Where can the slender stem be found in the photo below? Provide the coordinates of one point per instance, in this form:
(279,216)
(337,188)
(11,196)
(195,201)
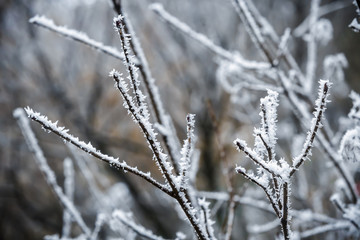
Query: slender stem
(97,154)
(285,212)
(313,132)
(274,179)
(129,64)
(77,36)
(175,193)
(230,217)
(268,194)
(245,15)
(150,87)
(254,158)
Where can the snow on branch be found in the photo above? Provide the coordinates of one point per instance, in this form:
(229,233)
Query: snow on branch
(282,48)
(278,192)
(101,219)
(141,116)
(269,167)
(223,196)
(263,228)
(87,147)
(169,135)
(320,103)
(49,174)
(205,41)
(127,220)
(81,37)
(69,191)
(205,216)
(86,172)
(146,127)
(300,111)
(139,110)
(262,182)
(268,116)
(129,63)
(325,228)
(187,152)
(252,28)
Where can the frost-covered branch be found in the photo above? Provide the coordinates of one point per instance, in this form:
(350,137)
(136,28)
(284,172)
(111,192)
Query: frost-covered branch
(202,39)
(282,48)
(333,227)
(223,196)
(86,172)
(50,177)
(299,107)
(186,152)
(101,219)
(69,191)
(87,147)
(263,228)
(301,113)
(205,217)
(270,33)
(145,125)
(242,147)
(265,142)
(262,183)
(75,35)
(315,125)
(169,135)
(160,157)
(126,219)
(128,62)
(278,74)
(252,28)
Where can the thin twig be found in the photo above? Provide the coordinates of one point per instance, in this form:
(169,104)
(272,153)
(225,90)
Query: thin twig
(87,147)
(161,117)
(267,192)
(34,147)
(322,100)
(202,39)
(76,36)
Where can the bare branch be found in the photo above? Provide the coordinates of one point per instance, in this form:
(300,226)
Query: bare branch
(76,36)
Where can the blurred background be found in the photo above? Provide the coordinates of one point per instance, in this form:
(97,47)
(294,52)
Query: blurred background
(69,82)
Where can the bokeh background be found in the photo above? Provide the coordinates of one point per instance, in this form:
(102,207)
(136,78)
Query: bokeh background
(69,82)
